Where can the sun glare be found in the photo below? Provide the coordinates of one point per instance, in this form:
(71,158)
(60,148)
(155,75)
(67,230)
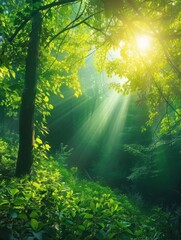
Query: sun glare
(143,42)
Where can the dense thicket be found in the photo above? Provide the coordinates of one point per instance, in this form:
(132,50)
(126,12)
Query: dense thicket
(57,204)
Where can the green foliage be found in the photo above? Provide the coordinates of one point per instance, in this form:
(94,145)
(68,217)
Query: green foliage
(8,153)
(153,74)
(60,59)
(53,204)
(41,149)
(145,166)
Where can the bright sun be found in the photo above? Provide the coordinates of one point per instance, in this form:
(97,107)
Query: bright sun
(143,42)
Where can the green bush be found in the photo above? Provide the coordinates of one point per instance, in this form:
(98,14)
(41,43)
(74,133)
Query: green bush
(8,153)
(53,204)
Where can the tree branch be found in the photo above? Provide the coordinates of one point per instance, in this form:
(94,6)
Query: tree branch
(54,4)
(95,28)
(71,25)
(45,7)
(160,90)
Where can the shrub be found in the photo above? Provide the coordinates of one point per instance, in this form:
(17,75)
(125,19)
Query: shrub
(53,204)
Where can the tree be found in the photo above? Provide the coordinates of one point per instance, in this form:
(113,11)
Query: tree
(35,9)
(28,98)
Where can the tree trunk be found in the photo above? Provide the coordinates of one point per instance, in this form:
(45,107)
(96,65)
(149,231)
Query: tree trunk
(26,118)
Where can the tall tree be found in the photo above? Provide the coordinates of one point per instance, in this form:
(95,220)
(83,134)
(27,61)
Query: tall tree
(65,69)
(26,118)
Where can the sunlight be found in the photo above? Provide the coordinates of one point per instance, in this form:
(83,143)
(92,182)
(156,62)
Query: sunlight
(121,44)
(115,132)
(115,53)
(143,42)
(95,125)
(116,124)
(108,119)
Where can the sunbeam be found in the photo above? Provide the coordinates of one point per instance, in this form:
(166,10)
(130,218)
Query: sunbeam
(114,138)
(103,128)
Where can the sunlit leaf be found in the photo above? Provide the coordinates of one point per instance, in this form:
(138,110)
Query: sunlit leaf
(14,191)
(34,214)
(88,216)
(34,224)
(46,99)
(4,202)
(38,140)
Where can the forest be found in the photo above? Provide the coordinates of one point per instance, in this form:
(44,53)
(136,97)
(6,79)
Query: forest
(90,120)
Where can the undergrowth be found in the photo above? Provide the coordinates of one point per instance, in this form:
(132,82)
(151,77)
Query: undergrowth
(53,203)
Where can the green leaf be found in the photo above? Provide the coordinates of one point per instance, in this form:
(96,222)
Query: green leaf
(92,206)
(34,224)
(13,74)
(50,106)
(124,224)
(14,191)
(19,201)
(39,235)
(101,235)
(112,235)
(37,185)
(23,216)
(4,205)
(34,214)
(46,99)
(47,147)
(69,222)
(127,230)
(4,202)
(88,223)
(138,232)
(38,140)
(81,227)
(88,216)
